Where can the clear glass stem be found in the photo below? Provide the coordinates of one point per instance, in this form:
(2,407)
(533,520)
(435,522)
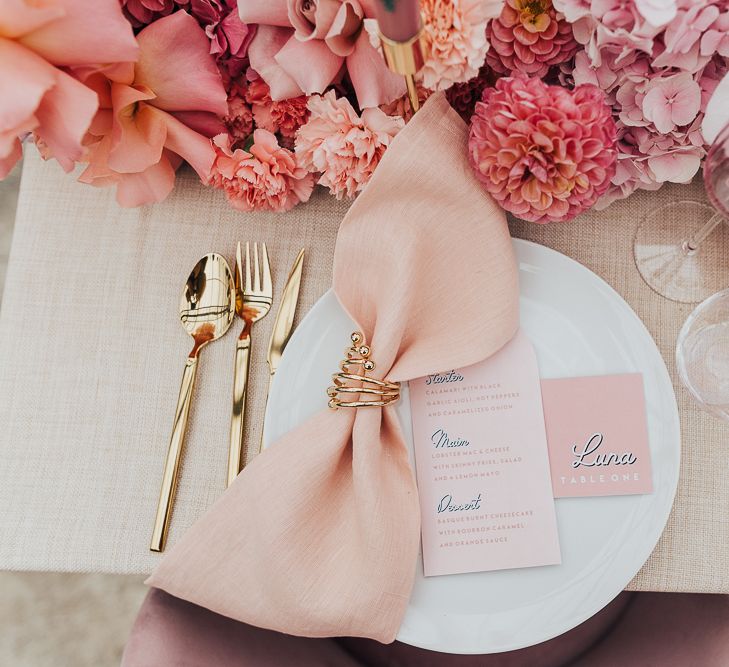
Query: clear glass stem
(691,245)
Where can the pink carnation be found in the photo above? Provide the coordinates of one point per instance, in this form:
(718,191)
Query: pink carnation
(284,116)
(344,147)
(239,120)
(529,36)
(265,177)
(455,39)
(544,152)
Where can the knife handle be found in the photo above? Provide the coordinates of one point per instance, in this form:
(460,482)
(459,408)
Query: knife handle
(237,420)
(174,454)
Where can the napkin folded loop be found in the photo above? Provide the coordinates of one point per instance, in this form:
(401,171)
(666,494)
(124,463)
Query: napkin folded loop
(353,380)
(319,534)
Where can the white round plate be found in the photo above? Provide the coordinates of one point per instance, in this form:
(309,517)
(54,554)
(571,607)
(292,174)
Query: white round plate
(579,326)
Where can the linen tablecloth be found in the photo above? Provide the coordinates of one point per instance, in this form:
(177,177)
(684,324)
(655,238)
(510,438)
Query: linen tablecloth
(92,354)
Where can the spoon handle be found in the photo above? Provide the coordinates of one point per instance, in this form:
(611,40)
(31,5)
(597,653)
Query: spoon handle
(174,454)
(237,421)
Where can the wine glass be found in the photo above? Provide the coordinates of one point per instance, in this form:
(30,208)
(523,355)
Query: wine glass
(702,354)
(682,249)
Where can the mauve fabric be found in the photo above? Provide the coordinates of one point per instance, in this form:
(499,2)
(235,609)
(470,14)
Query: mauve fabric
(635,630)
(319,535)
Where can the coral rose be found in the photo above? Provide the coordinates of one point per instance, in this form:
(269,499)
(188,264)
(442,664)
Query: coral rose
(545,153)
(344,147)
(38,42)
(155,113)
(265,177)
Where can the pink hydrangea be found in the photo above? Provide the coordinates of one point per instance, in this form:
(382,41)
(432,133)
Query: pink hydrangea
(344,147)
(529,36)
(658,62)
(455,39)
(545,153)
(264,177)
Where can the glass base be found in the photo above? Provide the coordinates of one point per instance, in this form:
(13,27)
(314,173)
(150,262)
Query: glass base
(665,263)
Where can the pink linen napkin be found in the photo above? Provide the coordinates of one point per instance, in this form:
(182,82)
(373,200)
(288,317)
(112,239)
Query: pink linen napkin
(319,535)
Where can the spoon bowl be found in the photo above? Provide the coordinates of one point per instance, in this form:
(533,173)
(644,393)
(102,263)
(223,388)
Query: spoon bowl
(207,304)
(207,308)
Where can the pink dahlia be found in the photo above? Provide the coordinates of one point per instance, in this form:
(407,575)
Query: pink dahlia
(343,146)
(284,116)
(545,153)
(529,36)
(265,177)
(454,36)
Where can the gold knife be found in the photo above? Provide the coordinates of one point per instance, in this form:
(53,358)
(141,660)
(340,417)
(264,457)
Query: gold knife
(283,327)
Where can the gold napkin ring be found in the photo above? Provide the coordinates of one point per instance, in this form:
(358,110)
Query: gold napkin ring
(353,379)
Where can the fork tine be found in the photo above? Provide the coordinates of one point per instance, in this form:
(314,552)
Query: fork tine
(256,270)
(238,269)
(248,287)
(267,285)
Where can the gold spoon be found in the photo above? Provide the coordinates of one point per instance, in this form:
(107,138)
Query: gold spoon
(207,308)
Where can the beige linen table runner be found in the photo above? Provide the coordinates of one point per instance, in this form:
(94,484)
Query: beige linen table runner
(92,352)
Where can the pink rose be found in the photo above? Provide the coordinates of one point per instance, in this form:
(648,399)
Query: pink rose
(303,46)
(338,22)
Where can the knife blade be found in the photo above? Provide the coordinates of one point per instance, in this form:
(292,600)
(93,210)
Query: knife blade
(283,326)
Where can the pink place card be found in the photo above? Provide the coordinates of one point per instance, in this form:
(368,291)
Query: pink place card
(482,466)
(597,434)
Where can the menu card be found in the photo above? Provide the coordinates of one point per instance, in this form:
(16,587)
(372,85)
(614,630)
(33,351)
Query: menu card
(482,466)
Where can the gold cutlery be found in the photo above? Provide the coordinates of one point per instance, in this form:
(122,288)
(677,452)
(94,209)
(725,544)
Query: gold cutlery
(253,299)
(283,327)
(207,309)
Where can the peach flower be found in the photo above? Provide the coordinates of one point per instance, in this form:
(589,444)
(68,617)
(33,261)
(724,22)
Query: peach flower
(264,177)
(344,147)
(38,42)
(545,153)
(455,39)
(144,127)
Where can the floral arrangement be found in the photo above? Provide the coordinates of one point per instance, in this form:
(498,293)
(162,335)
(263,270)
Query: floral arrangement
(571,103)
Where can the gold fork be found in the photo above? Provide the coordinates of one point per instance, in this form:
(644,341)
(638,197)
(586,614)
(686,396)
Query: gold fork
(253,299)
